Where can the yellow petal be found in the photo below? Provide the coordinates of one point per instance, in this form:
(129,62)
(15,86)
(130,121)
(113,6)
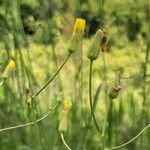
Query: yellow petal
(79,25)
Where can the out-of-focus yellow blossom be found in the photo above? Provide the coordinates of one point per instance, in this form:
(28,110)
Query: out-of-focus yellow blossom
(9,68)
(63,124)
(79,26)
(11,65)
(66,105)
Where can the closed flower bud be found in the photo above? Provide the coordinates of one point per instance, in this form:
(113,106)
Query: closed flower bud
(63,124)
(9,69)
(94,48)
(74,42)
(77,35)
(3,56)
(113,92)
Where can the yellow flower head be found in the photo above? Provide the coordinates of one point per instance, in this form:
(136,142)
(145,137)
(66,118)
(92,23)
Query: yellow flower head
(66,105)
(9,69)
(79,25)
(11,65)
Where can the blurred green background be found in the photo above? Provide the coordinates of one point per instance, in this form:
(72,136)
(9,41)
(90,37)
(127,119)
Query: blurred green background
(35,34)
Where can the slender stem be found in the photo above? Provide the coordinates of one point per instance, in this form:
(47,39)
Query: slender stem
(33,122)
(62,137)
(134,138)
(90,97)
(106,98)
(106,116)
(51,79)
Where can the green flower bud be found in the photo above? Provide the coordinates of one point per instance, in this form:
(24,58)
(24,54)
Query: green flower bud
(63,124)
(74,42)
(94,48)
(77,35)
(3,56)
(114,91)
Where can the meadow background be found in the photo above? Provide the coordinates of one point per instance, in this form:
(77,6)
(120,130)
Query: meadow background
(35,33)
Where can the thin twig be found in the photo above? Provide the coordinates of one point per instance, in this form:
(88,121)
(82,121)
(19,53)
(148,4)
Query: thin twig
(33,122)
(51,79)
(130,141)
(62,137)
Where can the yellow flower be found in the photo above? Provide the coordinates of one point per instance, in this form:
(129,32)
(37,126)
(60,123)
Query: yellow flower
(66,105)
(77,35)
(9,69)
(11,65)
(64,116)
(79,25)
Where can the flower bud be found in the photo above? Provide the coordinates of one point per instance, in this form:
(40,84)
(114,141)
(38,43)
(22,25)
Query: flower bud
(9,69)
(77,35)
(114,91)
(63,124)
(3,56)
(94,48)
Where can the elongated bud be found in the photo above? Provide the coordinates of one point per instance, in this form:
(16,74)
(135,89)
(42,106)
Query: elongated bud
(3,56)
(77,35)
(9,69)
(114,90)
(94,49)
(63,124)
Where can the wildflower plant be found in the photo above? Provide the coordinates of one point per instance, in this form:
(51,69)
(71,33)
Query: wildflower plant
(97,45)
(77,35)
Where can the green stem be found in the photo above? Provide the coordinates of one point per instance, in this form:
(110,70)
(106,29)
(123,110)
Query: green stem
(106,116)
(130,141)
(107,100)
(51,79)
(90,97)
(33,122)
(63,139)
